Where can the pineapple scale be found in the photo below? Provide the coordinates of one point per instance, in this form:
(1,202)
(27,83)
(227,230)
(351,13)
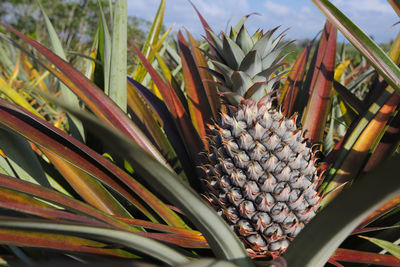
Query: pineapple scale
(261,176)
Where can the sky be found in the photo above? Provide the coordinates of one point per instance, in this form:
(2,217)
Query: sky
(302,17)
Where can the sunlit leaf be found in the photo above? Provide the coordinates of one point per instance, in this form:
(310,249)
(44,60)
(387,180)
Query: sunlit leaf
(83,157)
(66,94)
(386,245)
(117,87)
(383,64)
(96,100)
(315,115)
(200,111)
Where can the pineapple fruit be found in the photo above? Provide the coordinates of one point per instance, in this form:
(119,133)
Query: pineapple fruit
(261,174)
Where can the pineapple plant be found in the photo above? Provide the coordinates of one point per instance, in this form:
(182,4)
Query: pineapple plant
(261,174)
(125,198)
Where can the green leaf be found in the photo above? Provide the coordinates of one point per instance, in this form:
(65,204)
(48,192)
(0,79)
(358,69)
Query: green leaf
(386,245)
(216,42)
(21,157)
(61,200)
(117,80)
(66,94)
(209,263)
(175,106)
(220,237)
(241,82)
(225,71)
(264,44)
(152,37)
(105,47)
(128,239)
(83,157)
(60,242)
(89,188)
(320,238)
(232,53)
(378,58)
(244,40)
(95,98)
(251,64)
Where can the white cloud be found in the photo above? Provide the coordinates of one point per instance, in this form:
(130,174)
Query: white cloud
(378,6)
(302,17)
(302,21)
(278,9)
(218,13)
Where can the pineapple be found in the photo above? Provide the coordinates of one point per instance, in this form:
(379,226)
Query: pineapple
(261,175)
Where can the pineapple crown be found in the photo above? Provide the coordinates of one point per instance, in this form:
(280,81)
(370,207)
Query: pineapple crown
(246,64)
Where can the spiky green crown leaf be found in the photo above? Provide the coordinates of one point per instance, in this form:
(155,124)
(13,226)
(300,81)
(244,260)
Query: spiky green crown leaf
(247,65)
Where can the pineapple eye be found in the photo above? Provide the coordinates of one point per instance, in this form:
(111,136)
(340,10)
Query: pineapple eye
(279,188)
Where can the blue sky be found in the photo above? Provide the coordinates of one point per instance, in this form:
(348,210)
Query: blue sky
(375,17)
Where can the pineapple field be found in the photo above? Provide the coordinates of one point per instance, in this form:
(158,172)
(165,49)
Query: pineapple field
(153,148)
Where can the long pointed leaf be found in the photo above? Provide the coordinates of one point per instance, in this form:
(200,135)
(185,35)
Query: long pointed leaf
(57,241)
(22,158)
(396,6)
(386,245)
(96,100)
(314,118)
(383,64)
(105,47)
(348,255)
(14,200)
(210,89)
(130,240)
(206,27)
(82,157)
(221,239)
(356,157)
(194,143)
(66,94)
(117,86)
(152,37)
(90,189)
(200,111)
(139,107)
(294,81)
(387,146)
(60,200)
(170,128)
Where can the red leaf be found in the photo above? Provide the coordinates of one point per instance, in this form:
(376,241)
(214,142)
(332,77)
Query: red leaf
(176,108)
(314,118)
(57,241)
(382,210)
(198,106)
(53,139)
(94,98)
(348,255)
(294,81)
(59,199)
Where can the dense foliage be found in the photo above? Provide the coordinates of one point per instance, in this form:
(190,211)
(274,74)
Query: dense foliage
(103,144)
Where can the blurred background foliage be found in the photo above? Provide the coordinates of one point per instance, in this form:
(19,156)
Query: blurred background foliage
(76,35)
